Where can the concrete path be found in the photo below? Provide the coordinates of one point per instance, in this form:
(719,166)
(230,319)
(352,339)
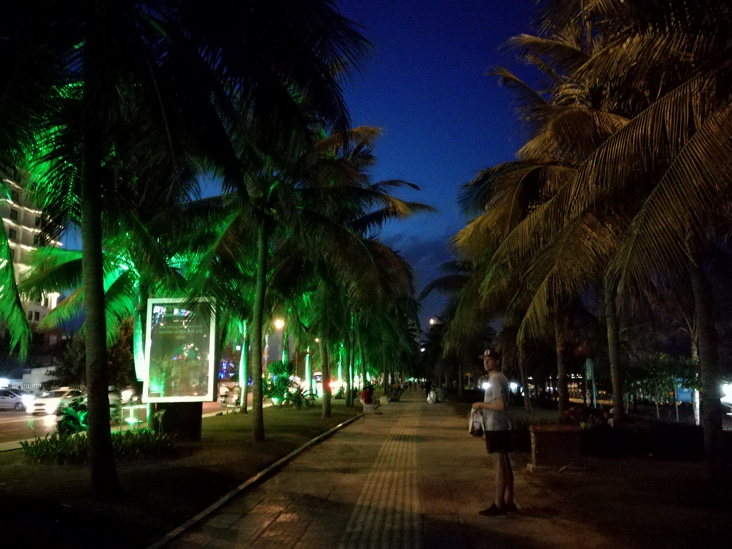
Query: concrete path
(407,476)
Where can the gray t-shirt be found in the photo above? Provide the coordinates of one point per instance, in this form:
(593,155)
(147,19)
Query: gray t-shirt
(496,420)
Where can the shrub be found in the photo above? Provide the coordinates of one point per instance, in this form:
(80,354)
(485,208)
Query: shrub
(277,384)
(73,419)
(297,396)
(74,448)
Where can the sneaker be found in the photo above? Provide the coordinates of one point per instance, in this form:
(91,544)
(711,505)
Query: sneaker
(493,512)
(510,508)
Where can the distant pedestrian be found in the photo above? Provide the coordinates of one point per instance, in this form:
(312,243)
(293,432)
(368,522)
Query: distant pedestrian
(427,387)
(497,434)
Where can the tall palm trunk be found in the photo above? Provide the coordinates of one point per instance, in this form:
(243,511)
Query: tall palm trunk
(710,374)
(524,377)
(460,379)
(325,358)
(613,345)
(243,369)
(257,318)
(103,470)
(362,356)
(138,343)
(138,330)
(220,339)
(695,403)
(561,363)
(349,361)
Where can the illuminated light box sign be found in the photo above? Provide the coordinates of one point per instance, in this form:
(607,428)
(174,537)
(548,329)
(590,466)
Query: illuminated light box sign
(179,351)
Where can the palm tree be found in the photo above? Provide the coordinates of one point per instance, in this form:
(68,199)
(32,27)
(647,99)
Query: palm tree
(11,307)
(649,175)
(309,210)
(657,163)
(149,74)
(559,258)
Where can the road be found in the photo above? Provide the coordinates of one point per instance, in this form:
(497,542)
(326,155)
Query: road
(15,426)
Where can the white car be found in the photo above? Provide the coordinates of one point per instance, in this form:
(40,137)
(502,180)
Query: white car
(54,401)
(15,399)
(727,397)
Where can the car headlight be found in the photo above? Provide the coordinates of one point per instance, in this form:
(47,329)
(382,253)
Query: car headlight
(27,400)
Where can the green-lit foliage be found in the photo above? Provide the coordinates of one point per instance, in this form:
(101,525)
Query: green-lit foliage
(73,419)
(656,376)
(74,448)
(297,397)
(11,309)
(278,384)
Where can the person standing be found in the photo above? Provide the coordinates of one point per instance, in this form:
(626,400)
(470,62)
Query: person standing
(497,434)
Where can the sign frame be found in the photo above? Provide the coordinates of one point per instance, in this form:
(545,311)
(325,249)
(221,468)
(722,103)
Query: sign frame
(184,388)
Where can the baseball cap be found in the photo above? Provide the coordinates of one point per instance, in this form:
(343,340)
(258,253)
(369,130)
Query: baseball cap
(491,353)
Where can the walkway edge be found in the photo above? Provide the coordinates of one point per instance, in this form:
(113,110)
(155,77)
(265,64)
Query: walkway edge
(170,536)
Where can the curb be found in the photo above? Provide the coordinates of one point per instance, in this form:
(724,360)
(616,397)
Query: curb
(262,475)
(13,445)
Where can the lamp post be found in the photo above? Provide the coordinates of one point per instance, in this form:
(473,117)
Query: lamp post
(279,324)
(243,375)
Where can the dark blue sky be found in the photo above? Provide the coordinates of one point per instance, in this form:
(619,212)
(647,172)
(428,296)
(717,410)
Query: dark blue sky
(443,118)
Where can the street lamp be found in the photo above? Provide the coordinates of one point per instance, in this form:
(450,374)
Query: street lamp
(279,324)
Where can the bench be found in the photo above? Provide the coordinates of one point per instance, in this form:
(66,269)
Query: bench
(369,407)
(555,447)
(231,400)
(395,395)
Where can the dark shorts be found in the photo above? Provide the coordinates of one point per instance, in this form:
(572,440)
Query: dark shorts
(498,442)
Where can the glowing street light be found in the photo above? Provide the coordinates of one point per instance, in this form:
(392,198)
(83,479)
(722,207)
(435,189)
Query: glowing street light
(279,324)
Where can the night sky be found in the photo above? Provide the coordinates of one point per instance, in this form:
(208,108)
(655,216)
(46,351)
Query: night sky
(443,118)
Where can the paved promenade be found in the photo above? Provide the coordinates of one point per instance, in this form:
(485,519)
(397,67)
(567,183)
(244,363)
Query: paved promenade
(407,476)
(411,476)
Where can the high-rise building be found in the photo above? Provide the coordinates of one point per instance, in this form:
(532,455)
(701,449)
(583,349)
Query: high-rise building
(22,220)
